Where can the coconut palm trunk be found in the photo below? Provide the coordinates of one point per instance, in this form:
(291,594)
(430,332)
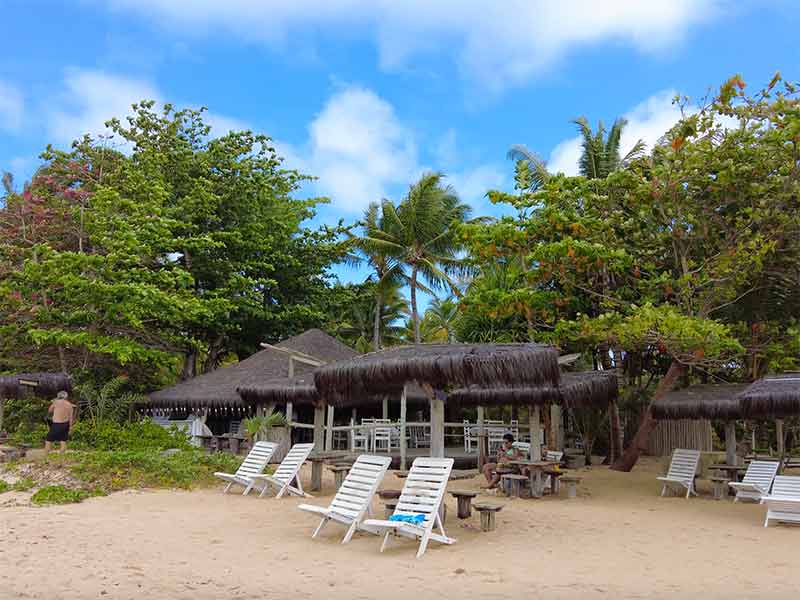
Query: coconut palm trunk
(414,313)
(376,324)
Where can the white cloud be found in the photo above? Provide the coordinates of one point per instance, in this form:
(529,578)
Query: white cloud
(90,99)
(12,107)
(359,148)
(647,121)
(473,184)
(496,44)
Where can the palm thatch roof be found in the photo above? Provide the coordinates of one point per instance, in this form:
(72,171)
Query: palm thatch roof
(218,388)
(705,401)
(773,397)
(440,366)
(591,388)
(41,384)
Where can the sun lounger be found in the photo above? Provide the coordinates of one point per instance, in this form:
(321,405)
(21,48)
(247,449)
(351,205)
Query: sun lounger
(421,499)
(354,499)
(682,471)
(254,464)
(757,480)
(783,504)
(285,474)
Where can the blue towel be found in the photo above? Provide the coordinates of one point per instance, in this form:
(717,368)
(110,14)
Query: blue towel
(413,519)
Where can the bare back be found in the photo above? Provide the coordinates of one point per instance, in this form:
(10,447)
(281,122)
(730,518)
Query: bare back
(62,411)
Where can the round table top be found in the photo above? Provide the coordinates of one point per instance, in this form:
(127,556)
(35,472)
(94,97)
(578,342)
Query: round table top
(466,493)
(479,506)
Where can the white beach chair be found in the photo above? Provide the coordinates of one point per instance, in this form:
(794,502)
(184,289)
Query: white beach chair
(353,501)
(423,493)
(254,464)
(285,474)
(382,436)
(554,456)
(524,447)
(783,504)
(681,472)
(757,480)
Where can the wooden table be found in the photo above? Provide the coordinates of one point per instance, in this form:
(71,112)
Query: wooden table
(464,499)
(731,472)
(536,468)
(318,459)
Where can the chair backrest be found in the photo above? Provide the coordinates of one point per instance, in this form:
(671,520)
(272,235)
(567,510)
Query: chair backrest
(684,464)
(424,488)
(761,473)
(554,455)
(360,485)
(292,462)
(786,486)
(256,459)
(523,447)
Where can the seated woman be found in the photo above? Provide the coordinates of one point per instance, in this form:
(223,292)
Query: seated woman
(506,453)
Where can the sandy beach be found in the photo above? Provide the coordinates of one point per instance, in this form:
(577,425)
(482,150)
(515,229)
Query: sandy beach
(618,539)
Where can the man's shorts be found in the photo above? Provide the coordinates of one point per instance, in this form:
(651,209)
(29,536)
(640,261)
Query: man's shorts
(59,432)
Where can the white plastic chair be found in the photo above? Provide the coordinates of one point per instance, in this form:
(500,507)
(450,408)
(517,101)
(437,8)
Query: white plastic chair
(757,480)
(382,436)
(783,504)
(285,474)
(253,465)
(423,493)
(682,471)
(353,500)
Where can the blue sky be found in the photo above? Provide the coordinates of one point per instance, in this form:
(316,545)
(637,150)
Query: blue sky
(367,95)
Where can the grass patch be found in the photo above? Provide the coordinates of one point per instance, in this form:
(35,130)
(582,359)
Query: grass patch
(23,485)
(120,469)
(58,494)
(4,486)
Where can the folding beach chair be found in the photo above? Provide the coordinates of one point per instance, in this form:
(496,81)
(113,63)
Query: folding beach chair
(681,472)
(285,474)
(254,464)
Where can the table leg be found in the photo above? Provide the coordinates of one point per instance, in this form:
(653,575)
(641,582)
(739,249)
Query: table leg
(316,476)
(536,483)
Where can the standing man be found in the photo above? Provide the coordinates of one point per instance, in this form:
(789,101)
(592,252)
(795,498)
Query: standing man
(63,414)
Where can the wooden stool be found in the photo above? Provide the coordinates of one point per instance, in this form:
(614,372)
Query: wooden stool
(488,511)
(512,483)
(554,476)
(572,485)
(464,499)
(720,487)
(339,473)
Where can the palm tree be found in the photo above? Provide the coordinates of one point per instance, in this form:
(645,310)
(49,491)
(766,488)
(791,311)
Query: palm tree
(440,318)
(388,271)
(420,235)
(601,154)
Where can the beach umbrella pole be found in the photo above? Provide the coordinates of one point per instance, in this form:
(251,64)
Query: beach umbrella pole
(730,442)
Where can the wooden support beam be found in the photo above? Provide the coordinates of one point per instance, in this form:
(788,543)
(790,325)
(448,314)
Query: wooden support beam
(437,426)
(536,433)
(385,408)
(482,445)
(779,435)
(329,430)
(403,440)
(730,442)
(319,428)
(556,423)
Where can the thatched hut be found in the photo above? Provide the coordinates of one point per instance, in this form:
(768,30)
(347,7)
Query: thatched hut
(217,393)
(773,397)
(41,384)
(686,416)
(437,367)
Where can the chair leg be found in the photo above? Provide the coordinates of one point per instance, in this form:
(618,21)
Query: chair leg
(663,490)
(423,543)
(248,489)
(322,524)
(227,487)
(385,543)
(350,532)
(282,491)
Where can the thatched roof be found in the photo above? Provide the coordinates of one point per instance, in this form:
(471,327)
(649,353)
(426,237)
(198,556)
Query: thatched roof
(773,397)
(218,388)
(591,388)
(41,384)
(706,401)
(441,366)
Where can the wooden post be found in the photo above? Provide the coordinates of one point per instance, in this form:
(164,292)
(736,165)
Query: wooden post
(536,439)
(730,442)
(385,408)
(403,441)
(329,430)
(548,431)
(779,435)
(2,410)
(319,428)
(437,426)
(289,412)
(557,429)
(481,437)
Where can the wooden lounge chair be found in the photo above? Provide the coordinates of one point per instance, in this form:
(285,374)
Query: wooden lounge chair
(422,494)
(783,504)
(682,471)
(285,474)
(354,499)
(757,480)
(254,464)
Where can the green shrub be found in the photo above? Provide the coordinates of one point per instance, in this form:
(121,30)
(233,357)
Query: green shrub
(58,494)
(139,435)
(4,486)
(29,435)
(23,485)
(122,469)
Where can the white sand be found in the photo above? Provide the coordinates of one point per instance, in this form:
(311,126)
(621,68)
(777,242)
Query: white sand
(619,539)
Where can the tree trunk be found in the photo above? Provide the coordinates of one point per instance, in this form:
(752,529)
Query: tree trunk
(376,325)
(214,352)
(628,459)
(616,431)
(189,364)
(414,313)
